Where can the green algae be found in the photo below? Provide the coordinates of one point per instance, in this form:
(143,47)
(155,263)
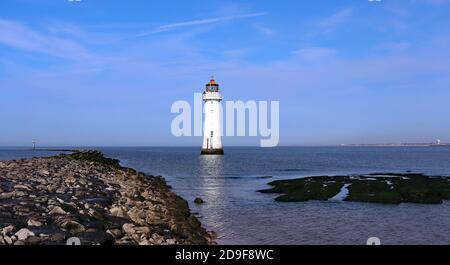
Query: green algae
(388,188)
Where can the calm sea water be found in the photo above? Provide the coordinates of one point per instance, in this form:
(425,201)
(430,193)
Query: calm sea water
(241,215)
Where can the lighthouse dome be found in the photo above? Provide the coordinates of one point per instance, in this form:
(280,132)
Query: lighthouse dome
(212,86)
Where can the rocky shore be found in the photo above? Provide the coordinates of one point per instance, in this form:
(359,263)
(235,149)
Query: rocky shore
(85,195)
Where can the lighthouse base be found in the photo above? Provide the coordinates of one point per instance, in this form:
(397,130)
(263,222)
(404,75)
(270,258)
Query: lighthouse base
(212,151)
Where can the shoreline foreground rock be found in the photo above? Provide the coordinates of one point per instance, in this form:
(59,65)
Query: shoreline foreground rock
(48,200)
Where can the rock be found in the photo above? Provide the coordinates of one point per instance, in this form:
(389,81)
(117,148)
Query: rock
(69,207)
(19,243)
(8,240)
(70,180)
(198,200)
(6,195)
(23,234)
(137,215)
(129,229)
(6,231)
(57,210)
(211,236)
(22,187)
(32,222)
(73,227)
(153,219)
(58,237)
(145,242)
(116,233)
(146,194)
(19,194)
(119,212)
(44,172)
(35,240)
(51,188)
(60,190)
(157,239)
(142,230)
(171,241)
(95,214)
(96,237)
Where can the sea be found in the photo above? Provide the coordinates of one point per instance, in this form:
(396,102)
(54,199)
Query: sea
(240,215)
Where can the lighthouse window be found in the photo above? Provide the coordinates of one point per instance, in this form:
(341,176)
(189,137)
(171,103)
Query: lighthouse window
(212,133)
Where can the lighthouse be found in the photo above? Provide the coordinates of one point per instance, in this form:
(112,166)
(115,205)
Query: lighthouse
(212,137)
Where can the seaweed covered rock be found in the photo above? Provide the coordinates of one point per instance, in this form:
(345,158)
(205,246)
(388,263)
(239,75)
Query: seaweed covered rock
(198,200)
(92,156)
(389,188)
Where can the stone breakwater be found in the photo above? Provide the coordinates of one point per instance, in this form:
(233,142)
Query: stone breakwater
(85,195)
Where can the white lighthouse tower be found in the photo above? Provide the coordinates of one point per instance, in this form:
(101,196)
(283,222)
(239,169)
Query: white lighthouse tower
(212,137)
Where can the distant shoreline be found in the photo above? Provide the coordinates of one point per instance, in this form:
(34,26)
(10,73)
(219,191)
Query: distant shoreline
(397,145)
(53,150)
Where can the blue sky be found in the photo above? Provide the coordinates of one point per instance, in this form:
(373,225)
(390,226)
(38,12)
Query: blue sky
(102,72)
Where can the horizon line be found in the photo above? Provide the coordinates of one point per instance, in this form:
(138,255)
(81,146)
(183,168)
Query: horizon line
(412,144)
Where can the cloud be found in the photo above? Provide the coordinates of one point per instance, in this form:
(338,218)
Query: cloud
(198,22)
(315,53)
(394,46)
(236,53)
(433,2)
(263,30)
(338,18)
(19,36)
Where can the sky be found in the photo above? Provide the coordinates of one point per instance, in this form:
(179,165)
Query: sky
(105,73)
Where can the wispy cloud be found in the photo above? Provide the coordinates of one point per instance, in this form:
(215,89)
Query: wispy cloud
(19,36)
(433,2)
(198,22)
(331,22)
(394,46)
(263,29)
(315,53)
